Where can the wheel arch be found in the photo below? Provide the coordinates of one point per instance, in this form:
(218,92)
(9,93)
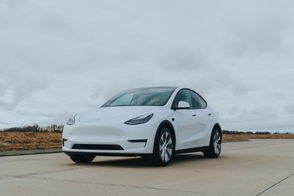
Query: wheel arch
(217,126)
(168,125)
(211,153)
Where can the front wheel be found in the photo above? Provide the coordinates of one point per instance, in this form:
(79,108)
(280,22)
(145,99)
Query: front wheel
(81,158)
(163,148)
(215,145)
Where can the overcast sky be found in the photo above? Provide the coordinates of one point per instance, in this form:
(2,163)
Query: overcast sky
(59,58)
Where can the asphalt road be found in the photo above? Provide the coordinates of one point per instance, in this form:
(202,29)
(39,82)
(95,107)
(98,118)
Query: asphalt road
(258,167)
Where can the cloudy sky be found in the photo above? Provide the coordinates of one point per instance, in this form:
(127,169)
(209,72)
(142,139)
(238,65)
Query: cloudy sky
(59,58)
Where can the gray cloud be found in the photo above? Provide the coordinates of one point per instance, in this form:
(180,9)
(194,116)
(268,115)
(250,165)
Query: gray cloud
(58,58)
(25,113)
(58,118)
(239,88)
(262,28)
(19,86)
(289,108)
(6,106)
(3,122)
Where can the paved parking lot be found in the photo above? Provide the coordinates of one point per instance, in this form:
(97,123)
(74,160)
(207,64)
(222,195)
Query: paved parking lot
(258,167)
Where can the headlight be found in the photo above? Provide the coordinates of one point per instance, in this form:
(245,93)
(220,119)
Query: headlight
(72,120)
(139,120)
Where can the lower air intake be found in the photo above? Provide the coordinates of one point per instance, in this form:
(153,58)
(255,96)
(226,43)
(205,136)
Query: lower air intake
(97,147)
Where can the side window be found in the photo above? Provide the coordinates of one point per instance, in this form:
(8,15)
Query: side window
(198,102)
(183,95)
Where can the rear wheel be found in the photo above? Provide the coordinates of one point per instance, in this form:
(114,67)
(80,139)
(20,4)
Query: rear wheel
(82,158)
(215,145)
(163,148)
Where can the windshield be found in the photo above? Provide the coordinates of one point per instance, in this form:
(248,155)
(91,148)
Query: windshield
(157,96)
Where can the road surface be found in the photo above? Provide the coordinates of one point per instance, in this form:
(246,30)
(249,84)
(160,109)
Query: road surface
(258,167)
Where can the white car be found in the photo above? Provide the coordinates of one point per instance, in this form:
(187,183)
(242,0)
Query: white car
(155,123)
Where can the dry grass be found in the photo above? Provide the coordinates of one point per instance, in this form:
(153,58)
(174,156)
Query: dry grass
(29,141)
(244,137)
(32,141)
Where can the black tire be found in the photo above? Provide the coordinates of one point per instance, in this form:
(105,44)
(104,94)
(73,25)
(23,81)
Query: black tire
(163,148)
(82,158)
(214,145)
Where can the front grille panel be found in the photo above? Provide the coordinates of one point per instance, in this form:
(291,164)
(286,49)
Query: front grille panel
(97,147)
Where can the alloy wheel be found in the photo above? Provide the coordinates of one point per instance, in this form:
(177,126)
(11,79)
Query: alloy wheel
(217,143)
(165,146)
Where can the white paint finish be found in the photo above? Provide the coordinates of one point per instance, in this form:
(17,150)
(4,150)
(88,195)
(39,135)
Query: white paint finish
(192,127)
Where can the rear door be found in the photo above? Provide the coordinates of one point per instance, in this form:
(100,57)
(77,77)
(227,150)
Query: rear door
(203,115)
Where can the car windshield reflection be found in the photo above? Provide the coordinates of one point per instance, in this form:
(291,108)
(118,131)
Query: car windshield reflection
(141,97)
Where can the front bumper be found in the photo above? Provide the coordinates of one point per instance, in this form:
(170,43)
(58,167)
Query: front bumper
(134,140)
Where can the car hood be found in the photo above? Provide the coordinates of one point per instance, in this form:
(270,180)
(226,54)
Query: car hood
(116,114)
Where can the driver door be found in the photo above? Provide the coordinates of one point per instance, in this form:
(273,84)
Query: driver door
(190,123)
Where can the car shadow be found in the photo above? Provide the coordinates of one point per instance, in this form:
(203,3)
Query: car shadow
(138,162)
(134,162)
(191,157)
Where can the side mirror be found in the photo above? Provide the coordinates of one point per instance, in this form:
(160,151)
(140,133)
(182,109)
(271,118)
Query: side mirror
(182,105)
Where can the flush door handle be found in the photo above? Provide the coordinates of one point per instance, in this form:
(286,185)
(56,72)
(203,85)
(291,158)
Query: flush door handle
(194,115)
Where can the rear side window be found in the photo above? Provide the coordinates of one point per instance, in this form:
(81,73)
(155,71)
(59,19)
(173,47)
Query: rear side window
(197,101)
